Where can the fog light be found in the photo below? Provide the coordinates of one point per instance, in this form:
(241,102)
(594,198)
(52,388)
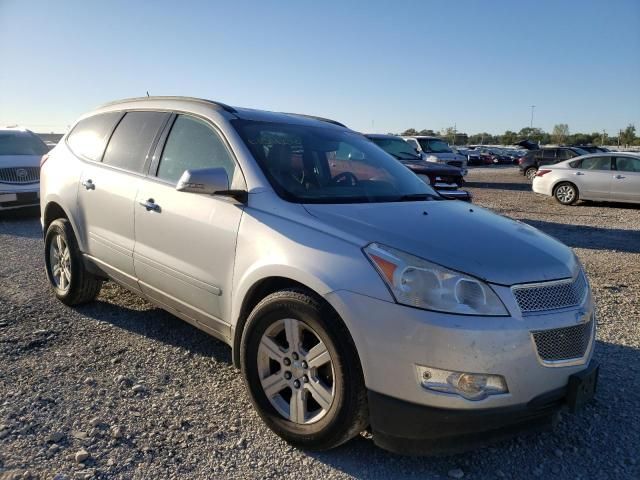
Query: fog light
(472,386)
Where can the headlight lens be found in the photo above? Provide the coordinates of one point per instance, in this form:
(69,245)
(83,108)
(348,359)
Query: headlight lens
(432,158)
(419,283)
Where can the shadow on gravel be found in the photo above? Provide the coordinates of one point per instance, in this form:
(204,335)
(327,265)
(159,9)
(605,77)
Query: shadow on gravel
(594,238)
(21,223)
(159,325)
(521,187)
(590,440)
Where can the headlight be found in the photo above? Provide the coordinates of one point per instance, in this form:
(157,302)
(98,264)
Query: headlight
(418,283)
(432,158)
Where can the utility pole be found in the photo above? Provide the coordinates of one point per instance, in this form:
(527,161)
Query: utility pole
(603,135)
(455,132)
(532,108)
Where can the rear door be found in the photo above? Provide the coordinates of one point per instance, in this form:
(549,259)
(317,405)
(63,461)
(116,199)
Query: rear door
(593,177)
(625,184)
(185,246)
(548,157)
(107,191)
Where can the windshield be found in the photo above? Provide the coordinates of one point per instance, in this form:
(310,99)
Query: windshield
(396,147)
(21,143)
(434,145)
(328,165)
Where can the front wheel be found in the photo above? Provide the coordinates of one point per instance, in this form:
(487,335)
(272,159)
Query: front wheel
(302,371)
(70,281)
(566,193)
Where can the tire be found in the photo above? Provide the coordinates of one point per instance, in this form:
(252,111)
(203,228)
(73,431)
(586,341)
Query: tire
(566,193)
(341,418)
(70,281)
(530,173)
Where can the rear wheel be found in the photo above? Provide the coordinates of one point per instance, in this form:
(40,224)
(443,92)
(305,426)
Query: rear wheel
(70,281)
(566,193)
(530,173)
(302,371)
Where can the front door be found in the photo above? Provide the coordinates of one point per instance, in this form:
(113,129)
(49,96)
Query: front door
(107,192)
(185,242)
(593,178)
(625,184)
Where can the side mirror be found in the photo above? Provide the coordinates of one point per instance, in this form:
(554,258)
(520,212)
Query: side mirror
(209,181)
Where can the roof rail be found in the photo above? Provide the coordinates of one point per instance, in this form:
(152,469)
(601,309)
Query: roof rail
(314,117)
(223,106)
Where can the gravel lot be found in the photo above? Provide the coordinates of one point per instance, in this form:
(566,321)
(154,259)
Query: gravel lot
(121,389)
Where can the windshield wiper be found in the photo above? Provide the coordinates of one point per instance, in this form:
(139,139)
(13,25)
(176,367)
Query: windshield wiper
(415,197)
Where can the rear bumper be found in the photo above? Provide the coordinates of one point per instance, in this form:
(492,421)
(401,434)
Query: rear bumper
(411,429)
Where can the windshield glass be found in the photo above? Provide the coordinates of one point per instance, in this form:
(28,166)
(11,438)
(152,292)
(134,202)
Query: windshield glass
(396,147)
(434,145)
(328,165)
(21,143)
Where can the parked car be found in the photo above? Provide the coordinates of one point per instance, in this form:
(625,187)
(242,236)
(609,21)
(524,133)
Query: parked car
(613,177)
(434,149)
(445,179)
(591,148)
(351,294)
(473,157)
(20,154)
(535,159)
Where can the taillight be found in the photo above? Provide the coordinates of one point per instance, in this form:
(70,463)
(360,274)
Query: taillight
(44,158)
(520,160)
(542,173)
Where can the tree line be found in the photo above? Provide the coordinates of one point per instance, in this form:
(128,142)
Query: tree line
(559,135)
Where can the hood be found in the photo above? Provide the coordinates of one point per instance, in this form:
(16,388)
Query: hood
(465,238)
(7,161)
(420,166)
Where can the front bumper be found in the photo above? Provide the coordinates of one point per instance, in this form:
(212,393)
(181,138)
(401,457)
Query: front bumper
(454,194)
(14,196)
(392,339)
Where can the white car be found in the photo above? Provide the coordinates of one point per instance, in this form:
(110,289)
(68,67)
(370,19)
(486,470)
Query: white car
(20,154)
(611,177)
(434,149)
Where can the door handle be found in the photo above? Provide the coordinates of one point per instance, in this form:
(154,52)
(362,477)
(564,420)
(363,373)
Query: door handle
(89,185)
(579,173)
(150,205)
(619,176)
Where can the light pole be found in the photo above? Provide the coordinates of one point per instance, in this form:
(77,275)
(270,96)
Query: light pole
(531,125)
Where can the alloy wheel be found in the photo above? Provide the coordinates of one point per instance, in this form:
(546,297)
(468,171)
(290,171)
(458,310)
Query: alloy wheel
(565,193)
(60,262)
(296,371)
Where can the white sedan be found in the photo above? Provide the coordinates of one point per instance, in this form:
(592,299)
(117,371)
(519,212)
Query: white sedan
(613,177)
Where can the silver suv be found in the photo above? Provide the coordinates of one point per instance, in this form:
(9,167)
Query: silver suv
(351,294)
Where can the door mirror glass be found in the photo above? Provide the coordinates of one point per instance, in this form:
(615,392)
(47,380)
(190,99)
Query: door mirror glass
(204,180)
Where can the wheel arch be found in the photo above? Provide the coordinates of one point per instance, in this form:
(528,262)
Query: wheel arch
(259,290)
(54,210)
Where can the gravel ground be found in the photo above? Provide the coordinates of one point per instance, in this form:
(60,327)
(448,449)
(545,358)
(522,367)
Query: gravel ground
(121,389)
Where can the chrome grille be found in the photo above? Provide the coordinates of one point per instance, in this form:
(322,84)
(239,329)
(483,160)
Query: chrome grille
(565,343)
(20,175)
(551,295)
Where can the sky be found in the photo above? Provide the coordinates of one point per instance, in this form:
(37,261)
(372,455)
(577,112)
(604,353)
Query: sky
(378,66)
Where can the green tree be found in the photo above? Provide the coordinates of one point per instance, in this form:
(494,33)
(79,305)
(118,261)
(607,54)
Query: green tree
(560,133)
(509,138)
(428,133)
(628,135)
(410,132)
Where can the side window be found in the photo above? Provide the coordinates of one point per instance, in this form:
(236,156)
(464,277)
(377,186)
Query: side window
(549,154)
(628,164)
(89,137)
(596,163)
(565,154)
(193,144)
(132,139)
(413,143)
